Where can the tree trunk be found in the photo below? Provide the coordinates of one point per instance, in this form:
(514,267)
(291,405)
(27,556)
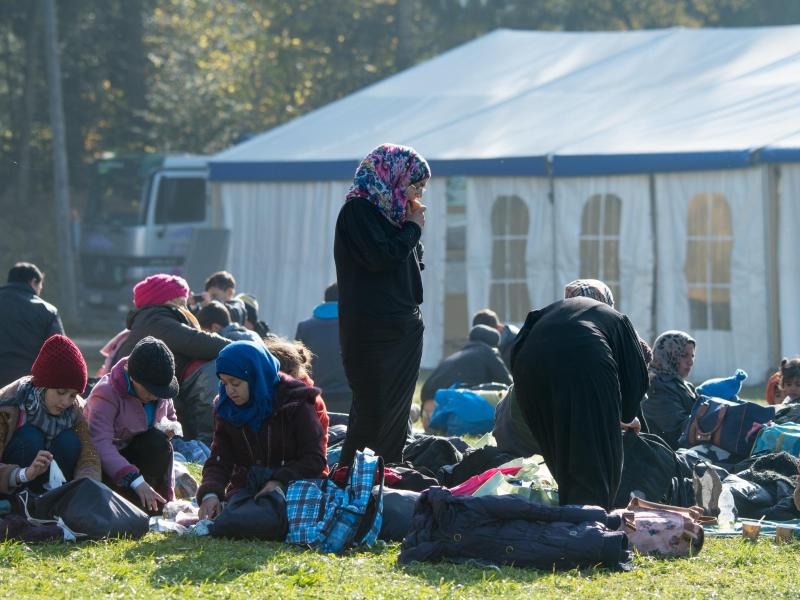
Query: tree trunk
(66,276)
(28,108)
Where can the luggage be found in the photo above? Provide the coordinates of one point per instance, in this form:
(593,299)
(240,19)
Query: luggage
(432,452)
(726,424)
(90,508)
(648,468)
(473,463)
(461,412)
(247,517)
(778,438)
(332,519)
(398,508)
(663,530)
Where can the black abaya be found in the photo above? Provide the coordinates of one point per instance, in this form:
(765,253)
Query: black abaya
(578,371)
(380,327)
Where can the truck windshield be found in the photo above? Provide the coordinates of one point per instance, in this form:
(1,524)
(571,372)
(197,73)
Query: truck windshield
(116,192)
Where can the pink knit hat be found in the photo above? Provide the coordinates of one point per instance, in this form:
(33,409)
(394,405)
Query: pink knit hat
(159,289)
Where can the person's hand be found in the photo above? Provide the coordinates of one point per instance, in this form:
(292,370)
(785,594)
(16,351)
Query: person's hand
(209,508)
(417,216)
(39,465)
(635,425)
(148,496)
(271,485)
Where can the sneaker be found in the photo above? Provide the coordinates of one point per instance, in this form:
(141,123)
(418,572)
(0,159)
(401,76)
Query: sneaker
(707,488)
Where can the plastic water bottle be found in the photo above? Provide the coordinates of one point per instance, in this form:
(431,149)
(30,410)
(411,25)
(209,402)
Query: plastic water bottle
(727,509)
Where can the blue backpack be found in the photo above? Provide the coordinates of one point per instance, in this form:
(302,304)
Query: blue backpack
(330,518)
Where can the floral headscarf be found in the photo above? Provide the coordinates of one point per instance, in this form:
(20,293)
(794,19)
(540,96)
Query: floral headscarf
(383,176)
(667,351)
(590,288)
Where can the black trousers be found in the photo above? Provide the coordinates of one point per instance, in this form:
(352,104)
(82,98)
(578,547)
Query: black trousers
(381,360)
(151,453)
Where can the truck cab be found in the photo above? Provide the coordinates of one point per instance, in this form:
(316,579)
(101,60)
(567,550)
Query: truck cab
(140,215)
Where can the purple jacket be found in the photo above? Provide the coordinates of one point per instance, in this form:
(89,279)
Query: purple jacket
(115,416)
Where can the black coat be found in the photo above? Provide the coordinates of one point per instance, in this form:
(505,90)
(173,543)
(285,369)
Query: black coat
(667,407)
(170,325)
(512,530)
(477,362)
(578,371)
(26,322)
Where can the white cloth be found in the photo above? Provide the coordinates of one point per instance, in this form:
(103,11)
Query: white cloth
(718,353)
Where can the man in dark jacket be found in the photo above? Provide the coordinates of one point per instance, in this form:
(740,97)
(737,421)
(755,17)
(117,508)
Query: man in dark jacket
(26,322)
(320,334)
(508,332)
(477,362)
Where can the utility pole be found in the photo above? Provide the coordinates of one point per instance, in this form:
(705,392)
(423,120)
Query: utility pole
(66,275)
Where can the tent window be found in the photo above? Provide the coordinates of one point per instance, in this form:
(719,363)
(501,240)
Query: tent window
(708,262)
(600,224)
(509,285)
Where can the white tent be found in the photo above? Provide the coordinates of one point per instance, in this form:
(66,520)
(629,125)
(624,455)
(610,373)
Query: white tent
(659,161)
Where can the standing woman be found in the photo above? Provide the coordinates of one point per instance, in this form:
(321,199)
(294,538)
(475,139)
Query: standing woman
(377,253)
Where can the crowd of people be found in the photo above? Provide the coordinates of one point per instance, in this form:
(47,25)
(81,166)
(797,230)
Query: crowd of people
(205,367)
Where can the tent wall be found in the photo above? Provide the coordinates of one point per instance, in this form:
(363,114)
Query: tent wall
(282,250)
(634,255)
(744,344)
(788,247)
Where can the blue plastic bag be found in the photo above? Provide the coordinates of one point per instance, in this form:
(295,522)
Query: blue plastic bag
(460,411)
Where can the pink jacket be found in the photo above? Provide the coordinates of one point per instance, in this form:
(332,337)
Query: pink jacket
(115,416)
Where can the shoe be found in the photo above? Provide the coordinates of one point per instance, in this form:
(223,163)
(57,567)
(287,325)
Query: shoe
(707,488)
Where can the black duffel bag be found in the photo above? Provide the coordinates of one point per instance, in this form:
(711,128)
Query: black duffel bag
(648,467)
(90,508)
(248,517)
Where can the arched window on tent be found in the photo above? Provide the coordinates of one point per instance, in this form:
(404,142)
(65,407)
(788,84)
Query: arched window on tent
(508,294)
(708,262)
(600,223)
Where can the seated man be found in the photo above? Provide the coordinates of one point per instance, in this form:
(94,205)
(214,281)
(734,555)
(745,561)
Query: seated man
(26,323)
(221,286)
(214,317)
(477,362)
(508,332)
(320,334)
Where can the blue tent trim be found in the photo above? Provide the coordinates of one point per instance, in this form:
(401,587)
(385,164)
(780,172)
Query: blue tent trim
(332,170)
(780,155)
(632,164)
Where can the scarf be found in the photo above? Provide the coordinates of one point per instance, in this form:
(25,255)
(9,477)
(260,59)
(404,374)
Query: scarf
(30,401)
(590,288)
(383,176)
(667,351)
(250,362)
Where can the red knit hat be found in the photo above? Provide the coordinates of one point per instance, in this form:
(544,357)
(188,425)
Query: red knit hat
(60,365)
(158,289)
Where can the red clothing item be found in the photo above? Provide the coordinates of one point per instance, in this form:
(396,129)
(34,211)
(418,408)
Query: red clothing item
(322,413)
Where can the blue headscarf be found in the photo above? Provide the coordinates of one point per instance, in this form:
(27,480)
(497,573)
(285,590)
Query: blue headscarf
(251,362)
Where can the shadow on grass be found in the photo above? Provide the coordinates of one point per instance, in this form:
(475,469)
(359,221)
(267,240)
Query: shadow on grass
(188,559)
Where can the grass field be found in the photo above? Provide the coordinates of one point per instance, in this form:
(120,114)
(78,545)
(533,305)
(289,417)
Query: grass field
(163,566)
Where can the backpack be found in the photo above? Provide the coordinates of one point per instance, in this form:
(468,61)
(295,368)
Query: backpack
(330,518)
(777,438)
(727,424)
(648,469)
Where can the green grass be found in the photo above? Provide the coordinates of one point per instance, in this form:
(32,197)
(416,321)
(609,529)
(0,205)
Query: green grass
(161,565)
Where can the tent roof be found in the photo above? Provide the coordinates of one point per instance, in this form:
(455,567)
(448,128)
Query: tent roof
(525,102)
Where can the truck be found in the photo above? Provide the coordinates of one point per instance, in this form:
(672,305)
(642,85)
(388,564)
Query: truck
(141,216)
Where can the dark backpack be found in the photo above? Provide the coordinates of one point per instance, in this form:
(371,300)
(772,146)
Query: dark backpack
(648,468)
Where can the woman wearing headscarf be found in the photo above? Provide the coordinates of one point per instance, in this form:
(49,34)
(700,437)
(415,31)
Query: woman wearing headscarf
(263,418)
(579,371)
(670,397)
(377,253)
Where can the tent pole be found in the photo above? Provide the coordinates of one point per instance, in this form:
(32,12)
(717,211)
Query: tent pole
(771,187)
